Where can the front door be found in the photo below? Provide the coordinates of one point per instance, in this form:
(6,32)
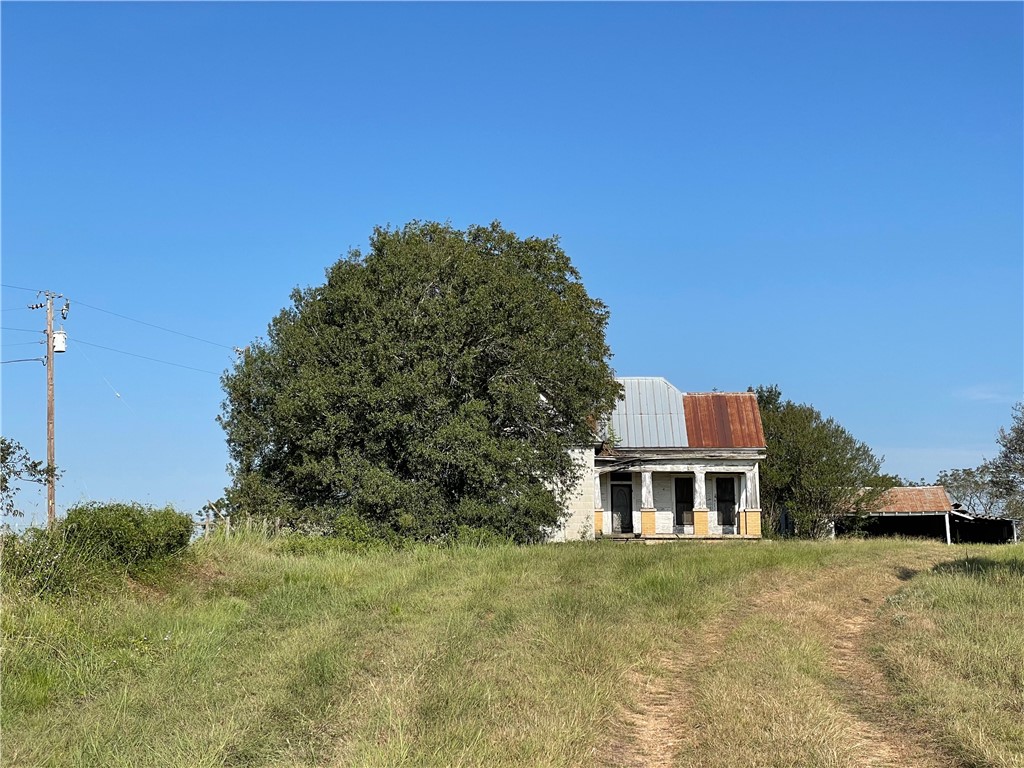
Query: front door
(725,499)
(622,508)
(684,501)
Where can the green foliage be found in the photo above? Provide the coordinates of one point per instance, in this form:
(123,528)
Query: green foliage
(127,534)
(435,381)
(993,487)
(972,487)
(16,467)
(1008,467)
(816,471)
(44,562)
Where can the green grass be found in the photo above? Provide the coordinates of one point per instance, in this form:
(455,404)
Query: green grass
(954,647)
(464,656)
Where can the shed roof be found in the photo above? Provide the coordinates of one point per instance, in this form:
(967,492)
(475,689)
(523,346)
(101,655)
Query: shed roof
(928,498)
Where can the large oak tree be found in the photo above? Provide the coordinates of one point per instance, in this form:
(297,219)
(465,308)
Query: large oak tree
(437,380)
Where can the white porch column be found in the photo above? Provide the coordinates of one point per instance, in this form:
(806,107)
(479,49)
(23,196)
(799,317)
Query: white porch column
(700,491)
(647,513)
(646,491)
(598,504)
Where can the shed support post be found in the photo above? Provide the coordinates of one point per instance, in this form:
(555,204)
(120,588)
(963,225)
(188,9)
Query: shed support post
(949,540)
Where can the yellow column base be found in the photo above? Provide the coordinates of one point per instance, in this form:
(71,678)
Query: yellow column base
(700,522)
(647,522)
(598,522)
(753,522)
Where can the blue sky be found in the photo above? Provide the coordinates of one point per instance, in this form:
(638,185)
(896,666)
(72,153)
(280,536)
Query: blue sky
(827,197)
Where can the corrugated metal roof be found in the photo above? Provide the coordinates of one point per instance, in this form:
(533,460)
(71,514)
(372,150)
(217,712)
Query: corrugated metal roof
(649,415)
(723,420)
(929,498)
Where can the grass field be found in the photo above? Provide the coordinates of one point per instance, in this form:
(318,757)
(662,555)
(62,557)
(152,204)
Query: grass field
(844,653)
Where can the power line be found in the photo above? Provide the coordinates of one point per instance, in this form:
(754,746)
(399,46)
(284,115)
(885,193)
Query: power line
(26,330)
(154,325)
(132,319)
(144,357)
(24,360)
(21,344)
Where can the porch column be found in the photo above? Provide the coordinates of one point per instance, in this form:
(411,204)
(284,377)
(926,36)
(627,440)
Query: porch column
(646,504)
(949,539)
(598,508)
(700,503)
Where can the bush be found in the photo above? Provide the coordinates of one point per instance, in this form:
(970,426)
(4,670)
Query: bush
(44,562)
(127,534)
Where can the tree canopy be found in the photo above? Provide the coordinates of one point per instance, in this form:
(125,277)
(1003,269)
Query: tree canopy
(994,487)
(17,467)
(438,380)
(816,472)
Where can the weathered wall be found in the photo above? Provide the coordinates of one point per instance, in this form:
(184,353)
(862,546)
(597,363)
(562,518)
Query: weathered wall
(579,522)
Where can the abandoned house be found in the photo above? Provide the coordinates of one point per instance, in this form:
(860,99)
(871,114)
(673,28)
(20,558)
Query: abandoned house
(671,464)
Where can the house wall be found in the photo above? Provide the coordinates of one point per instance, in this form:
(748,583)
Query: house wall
(579,520)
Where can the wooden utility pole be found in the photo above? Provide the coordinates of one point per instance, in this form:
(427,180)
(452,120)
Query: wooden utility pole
(51,464)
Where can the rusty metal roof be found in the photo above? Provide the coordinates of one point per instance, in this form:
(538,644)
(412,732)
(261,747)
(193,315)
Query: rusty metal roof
(928,498)
(723,420)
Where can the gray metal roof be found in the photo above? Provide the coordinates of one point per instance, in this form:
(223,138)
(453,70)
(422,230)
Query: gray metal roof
(650,414)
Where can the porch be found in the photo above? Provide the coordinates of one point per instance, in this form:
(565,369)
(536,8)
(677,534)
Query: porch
(678,501)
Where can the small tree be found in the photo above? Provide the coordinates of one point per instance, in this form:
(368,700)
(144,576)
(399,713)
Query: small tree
(436,381)
(1007,469)
(816,472)
(17,467)
(972,488)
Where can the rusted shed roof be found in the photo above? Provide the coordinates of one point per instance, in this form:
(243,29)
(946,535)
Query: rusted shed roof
(723,420)
(928,498)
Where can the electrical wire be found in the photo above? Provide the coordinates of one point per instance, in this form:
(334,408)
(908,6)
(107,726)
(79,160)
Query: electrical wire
(25,360)
(112,388)
(26,330)
(144,357)
(78,302)
(20,288)
(21,344)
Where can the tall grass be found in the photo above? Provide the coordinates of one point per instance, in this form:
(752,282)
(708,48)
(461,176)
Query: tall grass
(261,654)
(954,645)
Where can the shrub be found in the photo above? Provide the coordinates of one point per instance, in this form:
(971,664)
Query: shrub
(127,534)
(40,561)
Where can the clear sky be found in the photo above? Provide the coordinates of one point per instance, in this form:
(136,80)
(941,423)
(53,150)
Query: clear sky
(827,197)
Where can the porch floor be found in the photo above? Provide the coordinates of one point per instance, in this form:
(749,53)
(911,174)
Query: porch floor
(675,537)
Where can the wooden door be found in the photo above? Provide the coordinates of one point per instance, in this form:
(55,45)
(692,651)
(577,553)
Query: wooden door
(622,508)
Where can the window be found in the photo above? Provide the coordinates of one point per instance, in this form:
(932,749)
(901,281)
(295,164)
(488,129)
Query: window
(684,501)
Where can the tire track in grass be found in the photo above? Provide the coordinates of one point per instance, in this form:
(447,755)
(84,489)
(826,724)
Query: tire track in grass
(834,709)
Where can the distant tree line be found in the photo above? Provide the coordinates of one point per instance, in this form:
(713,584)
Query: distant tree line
(994,487)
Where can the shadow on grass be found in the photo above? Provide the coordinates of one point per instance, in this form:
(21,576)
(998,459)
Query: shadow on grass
(982,566)
(906,574)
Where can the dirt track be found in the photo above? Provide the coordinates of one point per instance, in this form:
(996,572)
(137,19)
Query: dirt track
(837,607)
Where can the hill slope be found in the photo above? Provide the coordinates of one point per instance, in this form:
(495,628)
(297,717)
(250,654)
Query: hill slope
(774,654)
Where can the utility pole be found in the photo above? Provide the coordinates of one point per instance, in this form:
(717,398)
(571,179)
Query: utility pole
(54,343)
